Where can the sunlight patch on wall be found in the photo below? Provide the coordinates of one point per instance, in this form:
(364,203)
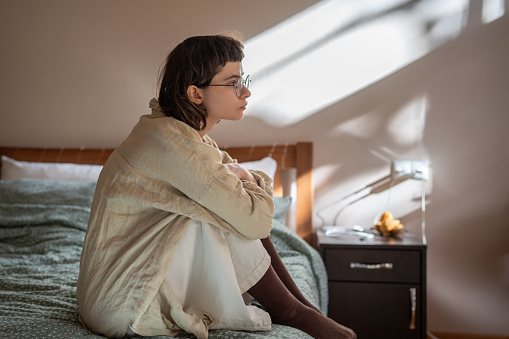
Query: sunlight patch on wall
(364,126)
(492,10)
(406,126)
(364,192)
(335,48)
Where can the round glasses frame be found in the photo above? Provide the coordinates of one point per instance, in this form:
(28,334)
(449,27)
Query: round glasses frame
(239,85)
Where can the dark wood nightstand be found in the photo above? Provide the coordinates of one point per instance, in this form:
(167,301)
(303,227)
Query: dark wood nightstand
(377,287)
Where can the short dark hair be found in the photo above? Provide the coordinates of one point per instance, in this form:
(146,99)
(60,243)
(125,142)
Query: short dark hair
(195,61)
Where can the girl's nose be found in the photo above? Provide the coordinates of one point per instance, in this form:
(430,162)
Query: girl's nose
(245,92)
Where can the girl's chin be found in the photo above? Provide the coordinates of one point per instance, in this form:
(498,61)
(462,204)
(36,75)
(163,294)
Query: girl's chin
(235,116)
(239,117)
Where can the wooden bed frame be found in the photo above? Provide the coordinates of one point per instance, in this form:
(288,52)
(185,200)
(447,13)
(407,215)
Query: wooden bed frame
(296,156)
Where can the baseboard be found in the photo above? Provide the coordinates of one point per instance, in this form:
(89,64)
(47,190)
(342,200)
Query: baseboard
(445,335)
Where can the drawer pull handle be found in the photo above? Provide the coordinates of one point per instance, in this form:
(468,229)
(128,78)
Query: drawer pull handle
(382,266)
(413,300)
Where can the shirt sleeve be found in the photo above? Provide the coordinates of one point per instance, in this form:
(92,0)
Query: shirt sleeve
(196,175)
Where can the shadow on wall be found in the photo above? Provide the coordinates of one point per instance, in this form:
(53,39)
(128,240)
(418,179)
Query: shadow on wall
(316,78)
(460,90)
(352,45)
(395,118)
(470,257)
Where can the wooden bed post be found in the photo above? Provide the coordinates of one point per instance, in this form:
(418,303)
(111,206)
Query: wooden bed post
(305,198)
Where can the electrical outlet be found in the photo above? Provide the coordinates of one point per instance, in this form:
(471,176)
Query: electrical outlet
(414,169)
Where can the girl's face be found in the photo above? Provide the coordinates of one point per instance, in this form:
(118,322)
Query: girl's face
(222,102)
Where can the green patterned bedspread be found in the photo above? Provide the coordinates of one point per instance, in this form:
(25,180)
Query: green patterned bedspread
(42,227)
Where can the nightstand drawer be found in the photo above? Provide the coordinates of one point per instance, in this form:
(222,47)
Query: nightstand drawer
(373,265)
(379,311)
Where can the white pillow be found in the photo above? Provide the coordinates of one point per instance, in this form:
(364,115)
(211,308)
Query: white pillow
(14,169)
(267,165)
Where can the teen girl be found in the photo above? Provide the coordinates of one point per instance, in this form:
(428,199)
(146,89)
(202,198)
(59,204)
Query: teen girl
(178,236)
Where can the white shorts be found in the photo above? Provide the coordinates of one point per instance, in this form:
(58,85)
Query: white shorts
(211,272)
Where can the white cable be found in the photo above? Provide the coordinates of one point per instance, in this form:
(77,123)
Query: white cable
(423,211)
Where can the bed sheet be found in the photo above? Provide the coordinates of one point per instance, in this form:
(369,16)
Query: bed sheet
(42,227)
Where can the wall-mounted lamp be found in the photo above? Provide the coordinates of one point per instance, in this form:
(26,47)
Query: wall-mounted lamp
(401,170)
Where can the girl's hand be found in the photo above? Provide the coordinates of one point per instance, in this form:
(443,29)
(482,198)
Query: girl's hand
(241,172)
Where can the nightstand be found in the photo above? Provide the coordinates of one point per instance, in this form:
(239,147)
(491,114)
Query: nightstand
(377,287)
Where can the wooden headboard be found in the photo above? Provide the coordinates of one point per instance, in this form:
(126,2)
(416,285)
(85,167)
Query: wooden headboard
(295,156)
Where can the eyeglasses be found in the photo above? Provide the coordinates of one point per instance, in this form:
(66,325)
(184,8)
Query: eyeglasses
(239,85)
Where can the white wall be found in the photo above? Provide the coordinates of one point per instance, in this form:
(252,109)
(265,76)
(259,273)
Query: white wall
(81,73)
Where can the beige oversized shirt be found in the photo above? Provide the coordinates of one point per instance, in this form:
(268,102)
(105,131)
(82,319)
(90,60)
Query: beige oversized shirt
(163,176)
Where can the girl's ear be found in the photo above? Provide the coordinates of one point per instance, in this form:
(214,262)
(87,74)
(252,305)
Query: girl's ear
(195,94)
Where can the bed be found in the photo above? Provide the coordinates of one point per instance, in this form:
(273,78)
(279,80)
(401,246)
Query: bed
(43,219)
